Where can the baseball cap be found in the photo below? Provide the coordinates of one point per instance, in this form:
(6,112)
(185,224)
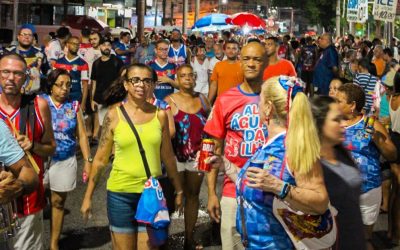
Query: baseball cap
(28,26)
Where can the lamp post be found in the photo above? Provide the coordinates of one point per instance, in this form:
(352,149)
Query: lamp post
(185,14)
(15,21)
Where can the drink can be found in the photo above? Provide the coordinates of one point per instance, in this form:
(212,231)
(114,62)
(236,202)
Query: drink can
(84,177)
(257,164)
(369,125)
(206,150)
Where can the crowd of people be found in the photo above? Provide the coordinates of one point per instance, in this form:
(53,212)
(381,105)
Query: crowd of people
(320,114)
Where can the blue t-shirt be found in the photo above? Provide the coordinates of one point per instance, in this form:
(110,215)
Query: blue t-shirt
(264,231)
(323,70)
(163,90)
(64,120)
(126,58)
(10,151)
(365,154)
(78,70)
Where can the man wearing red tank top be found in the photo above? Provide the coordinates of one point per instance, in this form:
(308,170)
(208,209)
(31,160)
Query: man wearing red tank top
(39,142)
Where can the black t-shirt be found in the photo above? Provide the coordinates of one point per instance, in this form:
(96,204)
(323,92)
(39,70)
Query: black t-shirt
(343,183)
(104,73)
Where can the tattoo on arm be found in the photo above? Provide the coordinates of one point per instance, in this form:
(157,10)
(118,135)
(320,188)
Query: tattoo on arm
(98,175)
(106,131)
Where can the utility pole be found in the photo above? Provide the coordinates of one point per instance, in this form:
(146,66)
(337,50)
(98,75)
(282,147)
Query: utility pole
(291,20)
(185,14)
(338,18)
(65,9)
(164,9)
(172,13)
(196,10)
(140,14)
(15,21)
(155,12)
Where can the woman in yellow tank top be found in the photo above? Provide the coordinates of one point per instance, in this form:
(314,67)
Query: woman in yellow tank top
(128,176)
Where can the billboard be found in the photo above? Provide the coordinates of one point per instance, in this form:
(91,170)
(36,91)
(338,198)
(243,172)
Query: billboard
(352,11)
(385,10)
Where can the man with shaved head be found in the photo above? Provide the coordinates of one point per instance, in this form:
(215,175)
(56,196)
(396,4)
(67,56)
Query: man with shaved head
(235,123)
(327,66)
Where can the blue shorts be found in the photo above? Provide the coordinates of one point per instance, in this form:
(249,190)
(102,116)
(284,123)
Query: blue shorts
(121,211)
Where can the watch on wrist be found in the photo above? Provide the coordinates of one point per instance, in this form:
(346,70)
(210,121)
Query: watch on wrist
(89,159)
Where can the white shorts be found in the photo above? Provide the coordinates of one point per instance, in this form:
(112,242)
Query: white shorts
(102,111)
(370,203)
(30,235)
(61,175)
(187,166)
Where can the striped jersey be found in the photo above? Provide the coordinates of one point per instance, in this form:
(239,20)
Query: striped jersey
(35,201)
(79,71)
(163,90)
(367,82)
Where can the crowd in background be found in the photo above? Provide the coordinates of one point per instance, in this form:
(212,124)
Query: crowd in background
(321,113)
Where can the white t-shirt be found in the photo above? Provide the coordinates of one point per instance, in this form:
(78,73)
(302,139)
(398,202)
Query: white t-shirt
(212,63)
(92,55)
(201,71)
(54,50)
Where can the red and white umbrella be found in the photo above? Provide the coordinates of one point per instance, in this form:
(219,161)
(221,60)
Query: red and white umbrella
(245,19)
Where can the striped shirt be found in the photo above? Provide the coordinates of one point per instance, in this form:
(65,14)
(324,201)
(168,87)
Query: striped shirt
(367,82)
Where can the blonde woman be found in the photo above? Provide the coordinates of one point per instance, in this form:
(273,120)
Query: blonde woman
(298,180)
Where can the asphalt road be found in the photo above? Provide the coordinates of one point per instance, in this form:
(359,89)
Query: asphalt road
(95,234)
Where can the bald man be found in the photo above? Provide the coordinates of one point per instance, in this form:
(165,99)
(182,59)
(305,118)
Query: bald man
(327,66)
(240,138)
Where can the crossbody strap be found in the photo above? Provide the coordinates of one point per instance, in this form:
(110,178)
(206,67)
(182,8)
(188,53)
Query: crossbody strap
(141,149)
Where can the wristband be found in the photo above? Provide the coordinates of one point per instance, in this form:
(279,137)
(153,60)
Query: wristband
(284,191)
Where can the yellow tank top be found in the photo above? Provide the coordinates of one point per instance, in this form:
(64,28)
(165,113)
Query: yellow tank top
(128,174)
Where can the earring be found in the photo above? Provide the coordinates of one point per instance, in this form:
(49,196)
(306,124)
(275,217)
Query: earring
(268,118)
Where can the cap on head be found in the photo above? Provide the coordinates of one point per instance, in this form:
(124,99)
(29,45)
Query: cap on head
(29,27)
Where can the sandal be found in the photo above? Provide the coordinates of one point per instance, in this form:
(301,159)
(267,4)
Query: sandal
(192,245)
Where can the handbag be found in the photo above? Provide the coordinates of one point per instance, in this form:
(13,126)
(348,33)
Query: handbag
(152,207)
(306,231)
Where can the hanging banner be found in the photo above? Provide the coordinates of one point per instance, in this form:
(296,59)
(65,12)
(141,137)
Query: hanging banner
(362,11)
(352,11)
(385,10)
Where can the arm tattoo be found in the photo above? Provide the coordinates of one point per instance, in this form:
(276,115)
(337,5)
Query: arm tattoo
(105,131)
(98,175)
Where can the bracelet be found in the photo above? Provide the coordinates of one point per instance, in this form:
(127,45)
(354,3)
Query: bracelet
(284,191)
(179,192)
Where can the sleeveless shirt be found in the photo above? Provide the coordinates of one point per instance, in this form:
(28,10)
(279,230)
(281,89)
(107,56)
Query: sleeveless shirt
(128,174)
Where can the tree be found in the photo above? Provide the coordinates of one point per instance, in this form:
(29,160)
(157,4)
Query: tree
(320,12)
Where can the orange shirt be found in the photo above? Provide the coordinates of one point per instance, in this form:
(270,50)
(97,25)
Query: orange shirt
(283,67)
(227,75)
(380,65)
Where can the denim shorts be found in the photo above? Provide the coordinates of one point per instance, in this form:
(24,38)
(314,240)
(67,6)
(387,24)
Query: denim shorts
(121,211)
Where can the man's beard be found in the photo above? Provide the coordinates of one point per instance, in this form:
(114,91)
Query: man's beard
(175,40)
(25,46)
(105,52)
